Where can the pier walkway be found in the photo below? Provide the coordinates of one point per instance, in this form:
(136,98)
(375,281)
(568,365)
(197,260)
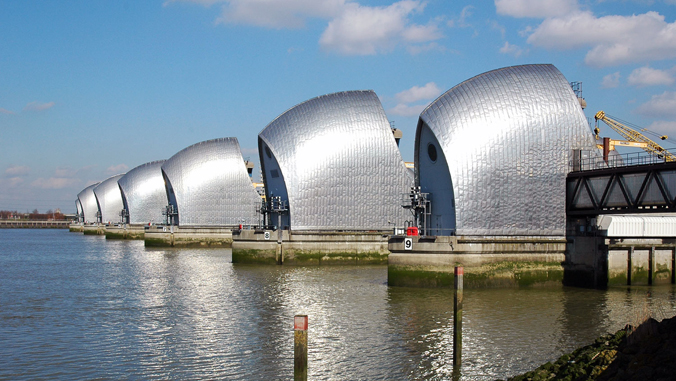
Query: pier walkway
(28,224)
(626,184)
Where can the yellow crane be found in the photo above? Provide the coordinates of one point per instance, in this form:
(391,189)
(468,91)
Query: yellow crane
(634,138)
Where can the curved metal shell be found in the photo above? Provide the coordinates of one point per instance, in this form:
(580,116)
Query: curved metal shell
(211,186)
(78,209)
(335,160)
(503,141)
(90,207)
(109,197)
(143,193)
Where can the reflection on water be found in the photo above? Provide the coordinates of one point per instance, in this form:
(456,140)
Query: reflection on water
(74,306)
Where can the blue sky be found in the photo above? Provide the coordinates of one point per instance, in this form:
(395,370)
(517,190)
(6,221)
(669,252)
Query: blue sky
(89,89)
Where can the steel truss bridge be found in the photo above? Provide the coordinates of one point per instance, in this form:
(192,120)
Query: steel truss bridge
(626,186)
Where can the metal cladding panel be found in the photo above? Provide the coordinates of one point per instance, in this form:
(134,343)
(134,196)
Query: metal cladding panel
(340,163)
(109,197)
(88,202)
(143,188)
(507,136)
(211,185)
(78,207)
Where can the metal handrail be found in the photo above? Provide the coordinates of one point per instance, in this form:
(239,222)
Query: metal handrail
(616,161)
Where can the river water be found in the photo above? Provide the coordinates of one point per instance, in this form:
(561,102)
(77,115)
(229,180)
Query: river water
(82,307)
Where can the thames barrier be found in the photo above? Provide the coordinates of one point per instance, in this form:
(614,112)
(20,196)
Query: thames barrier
(508,181)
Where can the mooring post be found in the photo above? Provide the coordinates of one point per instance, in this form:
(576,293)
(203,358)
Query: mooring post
(673,266)
(651,264)
(630,253)
(300,347)
(280,237)
(457,318)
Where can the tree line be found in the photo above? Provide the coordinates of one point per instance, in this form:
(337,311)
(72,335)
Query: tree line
(34,216)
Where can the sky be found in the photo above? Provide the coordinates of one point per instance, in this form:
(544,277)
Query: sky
(90,89)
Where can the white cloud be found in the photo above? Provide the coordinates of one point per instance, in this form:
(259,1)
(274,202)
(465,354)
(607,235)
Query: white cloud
(647,76)
(14,181)
(495,25)
(5,111)
(663,127)
(508,48)
(279,14)
(611,80)
(421,33)
(406,110)
(116,169)
(352,29)
(461,21)
(37,106)
(417,93)
(54,183)
(417,49)
(662,105)
(613,40)
(535,8)
(363,30)
(64,172)
(17,170)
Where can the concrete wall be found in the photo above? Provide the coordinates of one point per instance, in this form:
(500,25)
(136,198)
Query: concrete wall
(600,262)
(488,261)
(308,248)
(125,232)
(174,236)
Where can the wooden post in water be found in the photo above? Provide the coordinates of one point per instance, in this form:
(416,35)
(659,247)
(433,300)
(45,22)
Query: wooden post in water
(280,237)
(630,253)
(300,347)
(457,318)
(673,266)
(651,265)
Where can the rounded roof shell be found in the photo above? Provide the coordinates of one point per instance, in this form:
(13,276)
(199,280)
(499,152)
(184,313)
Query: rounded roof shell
(340,163)
(211,185)
(88,203)
(144,193)
(507,136)
(109,198)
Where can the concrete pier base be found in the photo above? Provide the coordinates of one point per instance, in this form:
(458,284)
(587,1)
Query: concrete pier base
(175,236)
(125,232)
(96,229)
(309,248)
(488,261)
(76,228)
(602,262)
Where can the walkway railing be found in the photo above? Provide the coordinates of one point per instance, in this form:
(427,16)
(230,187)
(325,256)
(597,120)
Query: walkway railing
(590,161)
(54,224)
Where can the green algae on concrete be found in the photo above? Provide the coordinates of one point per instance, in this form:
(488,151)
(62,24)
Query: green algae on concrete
(308,258)
(662,273)
(124,234)
(93,230)
(303,257)
(189,242)
(202,242)
(639,275)
(253,256)
(74,228)
(417,276)
(617,279)
(496,274)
